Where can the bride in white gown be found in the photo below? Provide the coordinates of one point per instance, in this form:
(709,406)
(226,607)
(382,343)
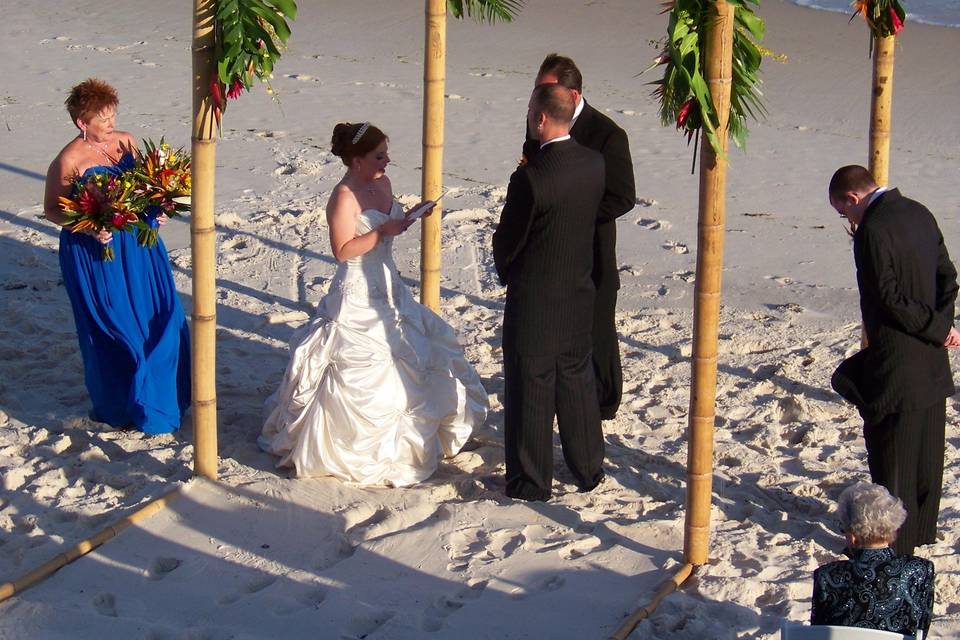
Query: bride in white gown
(377,388)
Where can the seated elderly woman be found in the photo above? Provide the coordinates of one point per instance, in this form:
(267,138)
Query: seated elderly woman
(874,588)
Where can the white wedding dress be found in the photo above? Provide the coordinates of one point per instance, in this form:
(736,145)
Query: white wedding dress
(377,387)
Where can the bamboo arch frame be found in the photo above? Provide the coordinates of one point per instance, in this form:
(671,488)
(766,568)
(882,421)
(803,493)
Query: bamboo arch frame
(711,219)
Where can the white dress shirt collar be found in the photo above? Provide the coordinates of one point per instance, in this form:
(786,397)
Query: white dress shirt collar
(876,194)
(578,111)
(557,139)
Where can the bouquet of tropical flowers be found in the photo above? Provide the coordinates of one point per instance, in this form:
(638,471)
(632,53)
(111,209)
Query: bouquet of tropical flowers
(102,201)
(161,185)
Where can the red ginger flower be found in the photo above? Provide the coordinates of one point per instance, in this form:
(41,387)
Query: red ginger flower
(216,97)
(236,89)
(88,202)
(895,20)
(684,112)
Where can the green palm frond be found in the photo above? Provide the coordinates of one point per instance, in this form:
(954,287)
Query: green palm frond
(250,37)
(485,10)
(684,96)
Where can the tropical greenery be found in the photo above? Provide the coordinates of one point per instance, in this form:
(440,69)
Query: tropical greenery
(485,10)
(250,35)
(683,92)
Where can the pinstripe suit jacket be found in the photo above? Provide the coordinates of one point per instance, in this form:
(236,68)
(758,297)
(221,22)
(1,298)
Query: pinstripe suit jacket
(908,286)
(596,131)
(543,249)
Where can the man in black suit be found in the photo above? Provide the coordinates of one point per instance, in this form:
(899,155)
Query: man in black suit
(543,253)
(901,380)
(596,131)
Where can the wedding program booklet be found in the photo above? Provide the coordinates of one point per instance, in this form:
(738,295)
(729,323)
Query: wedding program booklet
(426,207)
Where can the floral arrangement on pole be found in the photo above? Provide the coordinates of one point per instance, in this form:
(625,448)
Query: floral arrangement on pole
(884,17)
(161,185)
(249,37)
(101,202)
(683,92)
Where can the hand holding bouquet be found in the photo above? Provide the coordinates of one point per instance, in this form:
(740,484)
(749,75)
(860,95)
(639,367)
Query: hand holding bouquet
(101,202)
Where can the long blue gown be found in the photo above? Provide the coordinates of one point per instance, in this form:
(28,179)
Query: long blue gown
(132,330)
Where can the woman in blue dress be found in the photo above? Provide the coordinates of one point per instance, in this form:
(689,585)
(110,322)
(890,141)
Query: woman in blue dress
(132,330)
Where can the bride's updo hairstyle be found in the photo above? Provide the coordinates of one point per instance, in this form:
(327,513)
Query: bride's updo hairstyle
(351,140)
(89,98)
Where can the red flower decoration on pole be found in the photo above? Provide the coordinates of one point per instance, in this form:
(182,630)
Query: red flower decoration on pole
(895,21)
(884,17)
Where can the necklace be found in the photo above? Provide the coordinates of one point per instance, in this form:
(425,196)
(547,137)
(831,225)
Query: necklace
(356,187)
(97,149)
(367,188)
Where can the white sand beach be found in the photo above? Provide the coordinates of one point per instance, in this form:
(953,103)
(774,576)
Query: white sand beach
(260,555)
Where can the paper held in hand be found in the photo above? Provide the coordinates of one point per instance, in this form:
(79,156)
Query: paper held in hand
(426,207)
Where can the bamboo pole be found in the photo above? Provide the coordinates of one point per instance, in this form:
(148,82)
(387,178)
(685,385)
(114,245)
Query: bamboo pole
(881,105)
(82,548)
(668,587)
(706,314)
(881,108)
(203,248)
(434,76)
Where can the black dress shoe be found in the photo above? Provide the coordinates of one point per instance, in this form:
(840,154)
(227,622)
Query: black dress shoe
(590,487)
(526,491)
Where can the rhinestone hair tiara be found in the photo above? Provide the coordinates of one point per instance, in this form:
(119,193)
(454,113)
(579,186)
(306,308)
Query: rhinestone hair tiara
(359,134)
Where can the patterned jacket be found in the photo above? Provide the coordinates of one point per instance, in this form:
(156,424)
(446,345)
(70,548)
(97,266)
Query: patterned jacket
(874,589)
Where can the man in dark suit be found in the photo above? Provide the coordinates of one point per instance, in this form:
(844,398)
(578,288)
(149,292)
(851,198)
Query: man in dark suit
(900,381)
(596,131)
(543,253)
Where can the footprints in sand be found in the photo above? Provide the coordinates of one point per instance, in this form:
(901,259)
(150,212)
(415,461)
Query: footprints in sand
(568,544)
(333,552)
(652,225)
(433,617)
(676,247)
(160,568)
(548,583)
(105,604)
(253,586)
(463,546)
(302,77)
(311,598)
(470,549)
(365,623)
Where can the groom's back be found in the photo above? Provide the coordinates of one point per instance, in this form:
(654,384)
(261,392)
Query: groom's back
(550,293)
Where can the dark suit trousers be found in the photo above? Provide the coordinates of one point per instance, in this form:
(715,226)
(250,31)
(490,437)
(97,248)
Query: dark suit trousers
(537,389)
(905,454)
(606,350)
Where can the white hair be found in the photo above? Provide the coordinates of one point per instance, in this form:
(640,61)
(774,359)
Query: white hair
(869,512)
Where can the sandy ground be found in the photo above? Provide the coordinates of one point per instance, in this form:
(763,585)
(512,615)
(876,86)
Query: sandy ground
(261,555)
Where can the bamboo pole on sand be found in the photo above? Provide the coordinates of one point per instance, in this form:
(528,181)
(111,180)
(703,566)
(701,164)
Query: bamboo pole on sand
(203,245)
(434,77)
(10,589)
(881,104)
(668,587)
(706,315)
